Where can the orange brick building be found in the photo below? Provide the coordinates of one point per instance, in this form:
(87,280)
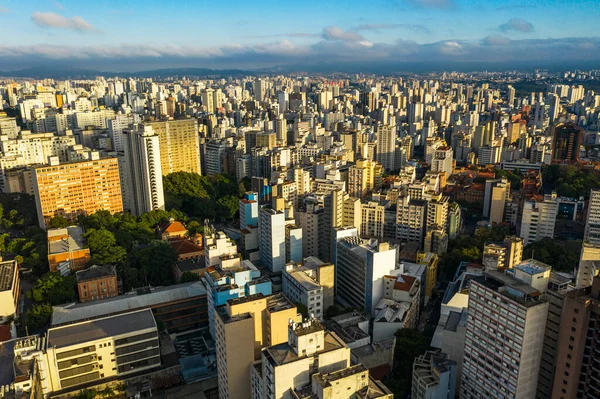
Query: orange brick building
(97,282)
(67,245)
(77,188)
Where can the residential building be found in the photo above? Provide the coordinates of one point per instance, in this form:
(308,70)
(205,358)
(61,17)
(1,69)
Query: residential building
(577,361)
(592,221)
(10,289)
(433,377)
(179,145)
(443,162)
(566,140)
(386,146)
(243,327)
(399,306)
(589,265)
(271,238)
(510,366)
(77,188)
(360,268)
(411,219)
(293,243)
(97,282)
(497,194)
(102,349)
(141,172)
(362,177)
(539,218)
(313,363)
(310,283)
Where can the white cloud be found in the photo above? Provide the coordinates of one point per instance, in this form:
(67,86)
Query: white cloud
(53,20)
(337,33)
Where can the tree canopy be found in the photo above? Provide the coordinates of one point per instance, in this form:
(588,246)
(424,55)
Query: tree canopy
(409,344)
(569,180)
(562,255)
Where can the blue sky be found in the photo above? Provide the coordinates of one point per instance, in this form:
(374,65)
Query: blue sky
(131,35)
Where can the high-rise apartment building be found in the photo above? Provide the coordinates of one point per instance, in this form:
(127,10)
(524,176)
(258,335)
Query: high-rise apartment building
(589,265)
(243,327)
(539,218)
(271,238)
(566,141)
(506,323)
(496,195)
(179,145)
(361,178)
(410,219)
(360,268)
(442,162)
(141,171)
(592,222)
(77,188)
(577,360)
(310,283)
(386,146)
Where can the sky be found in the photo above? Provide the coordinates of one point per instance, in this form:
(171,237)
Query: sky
(138,35)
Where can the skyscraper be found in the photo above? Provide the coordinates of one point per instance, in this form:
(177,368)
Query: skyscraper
(141,173)
(386,146)
(565,142)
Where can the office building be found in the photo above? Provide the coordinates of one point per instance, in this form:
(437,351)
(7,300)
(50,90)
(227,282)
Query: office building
(566,140)
(433,377)
(10,289)
(243,327)
(592,222)
(77,188)
(360,268)
(179,145)
(97,282)
(310,283)
(102,349)
(508,366)
(141,171)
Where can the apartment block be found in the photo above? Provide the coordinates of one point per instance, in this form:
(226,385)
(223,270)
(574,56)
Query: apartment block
(179,145)
(434,376)
(310,283)
(78,188)
(10,288)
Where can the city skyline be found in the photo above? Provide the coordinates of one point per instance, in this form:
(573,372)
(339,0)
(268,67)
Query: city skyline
(109,36)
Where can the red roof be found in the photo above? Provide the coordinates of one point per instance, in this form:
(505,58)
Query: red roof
(183,247)
(172,227)
(405,285)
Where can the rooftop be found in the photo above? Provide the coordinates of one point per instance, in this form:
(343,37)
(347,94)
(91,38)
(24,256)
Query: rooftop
(7,274)
(74,312)
(278,302)
(93,330)
(532,266)
(72,241)
(283,353)
(95,272)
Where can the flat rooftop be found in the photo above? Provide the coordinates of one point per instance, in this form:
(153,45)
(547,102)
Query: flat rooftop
(532,266)
(7,274)
(92,330)
(74,242)
(75,312)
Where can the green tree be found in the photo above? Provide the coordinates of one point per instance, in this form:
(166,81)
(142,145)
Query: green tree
(188,277)
(54,289)
(103,247)
(38,316)
(154,262)
(562,255)
(227,207)
(58,222)
(409,345)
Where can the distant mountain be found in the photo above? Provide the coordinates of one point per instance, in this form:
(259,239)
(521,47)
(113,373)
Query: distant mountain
(76,73)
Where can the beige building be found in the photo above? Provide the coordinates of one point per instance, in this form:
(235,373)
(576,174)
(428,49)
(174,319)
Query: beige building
(66,249)
(362,177)
(9,288)
(179,145)
(312,363)
(102,349)
(310,283)
(78,188)
(243,327)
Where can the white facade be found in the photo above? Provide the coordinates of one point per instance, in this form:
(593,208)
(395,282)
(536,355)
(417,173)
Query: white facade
(592,223)
(539,219)
(271,242)
(141,172)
